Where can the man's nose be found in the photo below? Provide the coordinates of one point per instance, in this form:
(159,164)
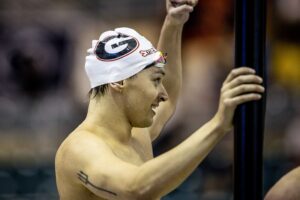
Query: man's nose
(163,96)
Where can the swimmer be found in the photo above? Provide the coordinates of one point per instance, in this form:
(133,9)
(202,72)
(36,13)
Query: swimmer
(134,91)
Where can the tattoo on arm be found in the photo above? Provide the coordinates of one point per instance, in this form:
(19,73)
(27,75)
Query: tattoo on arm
(83,177)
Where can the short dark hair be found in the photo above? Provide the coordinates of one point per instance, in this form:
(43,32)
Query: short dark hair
(102,89)
(99,90)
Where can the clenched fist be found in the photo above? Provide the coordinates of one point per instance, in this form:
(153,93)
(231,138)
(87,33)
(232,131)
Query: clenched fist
(179,10)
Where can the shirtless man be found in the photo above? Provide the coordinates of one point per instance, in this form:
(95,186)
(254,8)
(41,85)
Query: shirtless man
(287,188)
(109,155)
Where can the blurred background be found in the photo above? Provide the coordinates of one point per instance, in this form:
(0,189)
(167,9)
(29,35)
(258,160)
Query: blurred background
(43,87)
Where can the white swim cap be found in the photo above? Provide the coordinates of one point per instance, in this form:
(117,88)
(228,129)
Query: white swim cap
(118,55)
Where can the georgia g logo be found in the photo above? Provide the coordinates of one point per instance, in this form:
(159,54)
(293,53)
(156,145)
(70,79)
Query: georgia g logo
(116,47)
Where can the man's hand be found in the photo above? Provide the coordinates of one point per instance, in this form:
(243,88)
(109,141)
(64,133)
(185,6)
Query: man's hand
(179,10)
(240,86)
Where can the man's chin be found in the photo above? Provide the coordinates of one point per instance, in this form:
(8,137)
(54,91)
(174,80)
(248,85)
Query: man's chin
(145,124)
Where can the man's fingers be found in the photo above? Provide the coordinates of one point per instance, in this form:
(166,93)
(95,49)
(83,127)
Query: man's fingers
(179,10)
(237,72)
(242,89)
(177,3)
(233,102)
(242,79)
(182,9)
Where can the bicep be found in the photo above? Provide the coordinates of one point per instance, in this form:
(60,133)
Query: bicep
(112,180)
(105,175)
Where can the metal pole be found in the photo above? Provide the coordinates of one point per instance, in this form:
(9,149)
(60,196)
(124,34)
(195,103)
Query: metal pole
(250,33)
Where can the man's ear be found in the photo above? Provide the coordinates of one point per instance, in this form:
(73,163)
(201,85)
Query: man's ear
(117,86)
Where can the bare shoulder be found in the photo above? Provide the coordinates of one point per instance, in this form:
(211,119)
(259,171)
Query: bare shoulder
(290,178)
(296,173)
(76,153)
(287,187)
(76,150)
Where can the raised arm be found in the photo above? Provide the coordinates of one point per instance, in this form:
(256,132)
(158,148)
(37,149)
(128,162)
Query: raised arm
(170,43)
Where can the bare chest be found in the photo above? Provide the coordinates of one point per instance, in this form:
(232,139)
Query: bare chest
(135,153)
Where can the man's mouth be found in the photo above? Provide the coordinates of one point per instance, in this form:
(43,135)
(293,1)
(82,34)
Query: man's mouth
(154,106)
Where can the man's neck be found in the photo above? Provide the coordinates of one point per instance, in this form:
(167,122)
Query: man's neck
(105,116)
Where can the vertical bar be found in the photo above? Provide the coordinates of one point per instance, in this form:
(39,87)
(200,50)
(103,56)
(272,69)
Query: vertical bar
(250,33)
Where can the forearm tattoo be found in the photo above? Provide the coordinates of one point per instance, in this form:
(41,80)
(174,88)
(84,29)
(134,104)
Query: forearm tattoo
(84,178)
